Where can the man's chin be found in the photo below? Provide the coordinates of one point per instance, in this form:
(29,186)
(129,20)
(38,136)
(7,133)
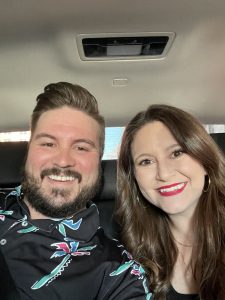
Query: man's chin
(58,209)
(57,203)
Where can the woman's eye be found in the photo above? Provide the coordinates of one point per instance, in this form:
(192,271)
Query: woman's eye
(177,153)
(145,162)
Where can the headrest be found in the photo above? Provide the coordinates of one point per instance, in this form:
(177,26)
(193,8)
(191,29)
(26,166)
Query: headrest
(219,138)
(12,158)
(108,190)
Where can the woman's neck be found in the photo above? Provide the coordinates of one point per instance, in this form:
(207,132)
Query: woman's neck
(182,278)
(182,230)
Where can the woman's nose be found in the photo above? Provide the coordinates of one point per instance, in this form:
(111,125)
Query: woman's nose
(165,170)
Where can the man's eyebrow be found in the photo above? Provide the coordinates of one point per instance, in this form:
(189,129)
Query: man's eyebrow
(86,141)
(76,141)
(44,135)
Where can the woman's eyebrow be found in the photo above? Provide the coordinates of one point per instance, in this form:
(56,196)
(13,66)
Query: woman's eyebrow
(172,146)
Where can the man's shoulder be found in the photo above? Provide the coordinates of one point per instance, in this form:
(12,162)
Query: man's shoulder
(8,197)
(110,243)
(117,252)
(126,277)
(2,196)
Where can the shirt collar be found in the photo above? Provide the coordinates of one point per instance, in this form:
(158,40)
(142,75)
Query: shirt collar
(82,226)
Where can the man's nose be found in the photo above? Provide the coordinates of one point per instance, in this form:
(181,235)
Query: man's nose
(64,158)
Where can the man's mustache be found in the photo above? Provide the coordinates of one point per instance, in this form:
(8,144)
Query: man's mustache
(61,172)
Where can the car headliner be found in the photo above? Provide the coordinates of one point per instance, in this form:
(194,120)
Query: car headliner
(39,46)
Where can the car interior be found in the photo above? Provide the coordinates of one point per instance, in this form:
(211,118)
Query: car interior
(128,54)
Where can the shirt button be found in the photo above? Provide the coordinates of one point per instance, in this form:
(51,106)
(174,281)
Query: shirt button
(3,242)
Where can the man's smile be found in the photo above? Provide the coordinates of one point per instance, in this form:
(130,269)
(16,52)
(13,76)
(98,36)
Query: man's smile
(57,174)
(62,178)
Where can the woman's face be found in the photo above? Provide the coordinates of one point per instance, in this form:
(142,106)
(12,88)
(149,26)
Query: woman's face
(167,177)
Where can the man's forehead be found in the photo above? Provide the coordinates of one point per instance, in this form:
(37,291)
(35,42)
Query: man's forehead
(68,123)
(65,115)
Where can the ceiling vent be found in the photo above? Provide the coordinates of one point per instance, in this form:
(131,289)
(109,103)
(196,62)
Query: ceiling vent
(122,46)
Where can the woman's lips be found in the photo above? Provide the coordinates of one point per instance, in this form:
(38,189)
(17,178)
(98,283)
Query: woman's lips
(172,189)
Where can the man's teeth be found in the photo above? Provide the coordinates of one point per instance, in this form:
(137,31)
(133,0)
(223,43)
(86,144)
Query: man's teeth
(61,178)
(172,188)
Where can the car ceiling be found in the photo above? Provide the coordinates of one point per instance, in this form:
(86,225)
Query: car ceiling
(39,46)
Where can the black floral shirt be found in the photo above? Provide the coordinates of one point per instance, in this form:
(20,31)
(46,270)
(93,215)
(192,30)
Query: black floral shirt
(66,259)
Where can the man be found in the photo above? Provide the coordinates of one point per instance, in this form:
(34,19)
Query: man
(8,289)
(50,233)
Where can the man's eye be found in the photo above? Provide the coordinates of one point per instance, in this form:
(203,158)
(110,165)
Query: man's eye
(47,144)
(177,153)
(81,148)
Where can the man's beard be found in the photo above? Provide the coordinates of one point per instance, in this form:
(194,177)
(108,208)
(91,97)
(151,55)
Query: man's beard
(44,204)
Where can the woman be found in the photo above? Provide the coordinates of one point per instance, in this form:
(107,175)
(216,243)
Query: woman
(171,203)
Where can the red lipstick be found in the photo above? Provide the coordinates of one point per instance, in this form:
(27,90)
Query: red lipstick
(172,189)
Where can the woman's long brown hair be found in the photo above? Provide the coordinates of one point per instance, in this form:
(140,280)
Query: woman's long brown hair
(145,228)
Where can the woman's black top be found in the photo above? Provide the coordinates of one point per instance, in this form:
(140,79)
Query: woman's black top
(173,295)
